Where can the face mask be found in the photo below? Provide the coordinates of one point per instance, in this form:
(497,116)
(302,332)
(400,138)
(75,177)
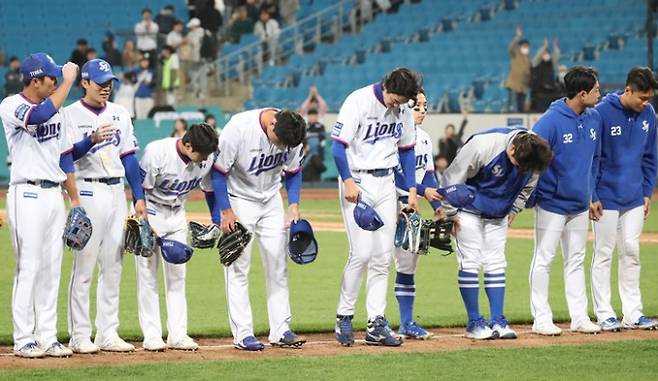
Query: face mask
(525,51)
(546,57)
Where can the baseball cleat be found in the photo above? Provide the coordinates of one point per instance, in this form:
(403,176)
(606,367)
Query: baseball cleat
(117,345)
(642,323)
(585,326)
(154,345)
(413,331)
(83,347)
(549,329)
(378,333)
(610,325)
(184,344)
(30,350)
(478,330)
(290,340)
(344,333)
(501,328)
(249,343)
(56,349)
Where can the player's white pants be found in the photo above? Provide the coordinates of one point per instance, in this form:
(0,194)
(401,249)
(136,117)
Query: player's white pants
(36,218)
(368,250)
(622,228)
(571,233)
(106,208)
(167,223)
(266,222)
(405,262)
(481,243)
(142,107)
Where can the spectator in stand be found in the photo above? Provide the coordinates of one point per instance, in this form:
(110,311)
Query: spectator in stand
(124,94)
(518,79)
(79,54)
(313,101)
(144,93)
(175,38)
(180,127)
(267,30)
(210,17)
(240,24)
(451,142)
(165,19)
(146,32)
(313,166)
(91,54)
(544,85)
(13,78)
(252,9)
(170,69)
(315,134)
(289,9)
(440,165)
(198,68)
(112,54)
(2,58)
(210,119)
(129,56)
(271,7)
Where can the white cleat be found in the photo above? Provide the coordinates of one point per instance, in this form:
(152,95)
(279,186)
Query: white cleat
(546,329)
(585,326)
(478,330)
(83,347)
(117,345)
(154,345)
(185,344)
(56,349)
(30,351)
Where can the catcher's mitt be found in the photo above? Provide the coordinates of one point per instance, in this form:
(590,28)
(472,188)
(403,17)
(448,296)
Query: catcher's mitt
(203,236)
(408,231)
(77,230)
(436,234)
(139,238)
(232,245)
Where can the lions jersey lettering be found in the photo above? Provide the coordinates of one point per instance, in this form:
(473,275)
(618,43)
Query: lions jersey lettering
(424,163)
(257,177)
(41,144)
(178,187)
(372,132)
(115,141)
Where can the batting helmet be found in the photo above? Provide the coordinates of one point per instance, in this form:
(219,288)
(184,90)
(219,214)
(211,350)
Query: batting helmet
(175,252)
(302,246)
(459,195)
(366,217)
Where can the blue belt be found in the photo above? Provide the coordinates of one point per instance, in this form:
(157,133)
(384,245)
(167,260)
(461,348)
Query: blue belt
(106,180)
(43,183)
(377,172)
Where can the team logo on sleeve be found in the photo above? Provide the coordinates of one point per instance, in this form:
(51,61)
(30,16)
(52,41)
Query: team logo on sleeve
(21,111)
(337,128)
(645,126)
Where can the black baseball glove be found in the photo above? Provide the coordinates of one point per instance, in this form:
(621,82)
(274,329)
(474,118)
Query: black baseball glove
(139,238)
(203,236)
(232,245)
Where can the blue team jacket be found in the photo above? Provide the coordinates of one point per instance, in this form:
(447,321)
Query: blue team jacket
(566,186)
(626,170)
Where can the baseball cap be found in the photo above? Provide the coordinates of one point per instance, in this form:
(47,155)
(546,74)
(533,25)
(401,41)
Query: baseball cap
(302,246)
(193,22)
(459,195)
(38,65)
(366,217)
(174,252)
(97,70)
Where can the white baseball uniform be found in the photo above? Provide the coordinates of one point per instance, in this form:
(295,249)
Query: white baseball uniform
(36,217)
(254,166)
(99,175)
(169,176)
(372,134)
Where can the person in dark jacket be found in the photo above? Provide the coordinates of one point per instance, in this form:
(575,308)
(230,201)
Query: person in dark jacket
(450,143)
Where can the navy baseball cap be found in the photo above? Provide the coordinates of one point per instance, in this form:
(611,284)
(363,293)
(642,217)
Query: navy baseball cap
(459,195)
(302,246)
(366,217)
(38,65)
(97,70)
(174,252)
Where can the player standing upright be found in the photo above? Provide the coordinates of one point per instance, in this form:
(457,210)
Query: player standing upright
(572,128)
(373,135)
(172,168)
(624,183)
(255,147)
(405,262)
(103,154)
(40,150)
(502,165)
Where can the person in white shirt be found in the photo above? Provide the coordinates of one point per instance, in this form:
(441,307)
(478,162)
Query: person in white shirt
(198,67)
(147,34)
(267,29)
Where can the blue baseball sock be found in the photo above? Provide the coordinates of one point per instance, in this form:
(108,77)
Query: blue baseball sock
(494,285)
(405,293)
(469,287)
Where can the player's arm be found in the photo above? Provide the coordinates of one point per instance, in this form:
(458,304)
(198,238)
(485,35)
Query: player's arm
(649,164)
(523,197)
(66,164)
(293,182)
(226,156)
(342,134)
(105,132)
(466,164)
(596,207)
(407,155)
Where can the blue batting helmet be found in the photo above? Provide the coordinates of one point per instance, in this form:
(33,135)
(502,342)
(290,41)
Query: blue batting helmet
(175,252)
(302,246)
(366,217)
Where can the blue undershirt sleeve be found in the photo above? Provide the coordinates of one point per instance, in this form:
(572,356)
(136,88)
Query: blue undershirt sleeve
(82,147)
(293,186)
(134,176)
(340,156)
(66,162)
(220,190)
(42,112)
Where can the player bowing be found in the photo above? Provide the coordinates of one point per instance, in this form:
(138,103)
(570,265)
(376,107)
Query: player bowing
(103,154)
(255,147)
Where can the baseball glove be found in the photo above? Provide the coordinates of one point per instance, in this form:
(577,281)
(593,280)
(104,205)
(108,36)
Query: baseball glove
(408,231)
(139,238)
(232,245)
(77,230)
(436,234)
(203,236)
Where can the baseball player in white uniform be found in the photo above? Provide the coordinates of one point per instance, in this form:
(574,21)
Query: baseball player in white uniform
(255,148)
(172,168)
(374,134)
(40,149)
(405,263)
(103,154)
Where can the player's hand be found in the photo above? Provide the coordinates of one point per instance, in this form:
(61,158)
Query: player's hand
(352,191)
(413,201)
(439,214)
(293,213)
(510,218)
(647,207)
(432,195)
(69,72)
(596,210)
(75,202)
(102,133)
(140,209)
(455,225)
(228,220)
